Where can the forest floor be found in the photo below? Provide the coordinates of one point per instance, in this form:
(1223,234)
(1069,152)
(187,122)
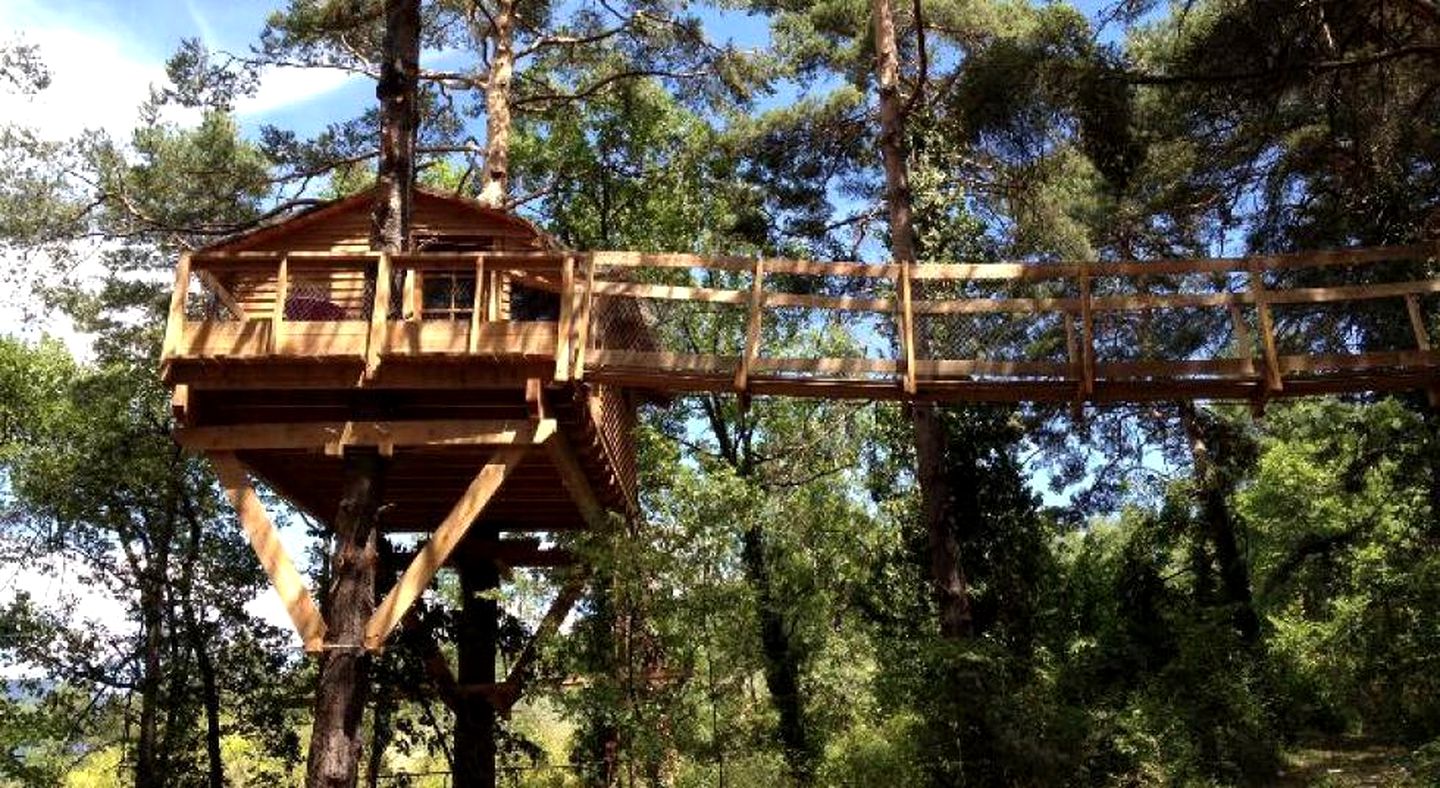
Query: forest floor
(1346,761)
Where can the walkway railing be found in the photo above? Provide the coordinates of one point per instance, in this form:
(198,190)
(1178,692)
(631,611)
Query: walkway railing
(1246,328)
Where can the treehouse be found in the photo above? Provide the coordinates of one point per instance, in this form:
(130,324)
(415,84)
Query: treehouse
(289,344)
(498,372)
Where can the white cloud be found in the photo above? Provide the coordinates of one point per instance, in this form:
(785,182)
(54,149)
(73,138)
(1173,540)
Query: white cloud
(95,84)
(283,87)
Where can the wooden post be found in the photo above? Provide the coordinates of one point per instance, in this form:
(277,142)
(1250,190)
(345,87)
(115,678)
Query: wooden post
(379,314)
(567,317)
(587,308)
(477,306)
(1422,339)
(175,321)
(907,328)
(752,329)
(492,298)
(1072,354)
(1267,327)
(1244,348)
(277,316)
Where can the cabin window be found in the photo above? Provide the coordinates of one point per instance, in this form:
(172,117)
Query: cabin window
(447,295)
(529,303)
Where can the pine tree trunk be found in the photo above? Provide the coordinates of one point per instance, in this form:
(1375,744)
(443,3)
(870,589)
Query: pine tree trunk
(476,641)
(344,684)
(952,597)
(397,91)
(1220,527)
(495,178)
(195,635)
(782,663)
(148,773)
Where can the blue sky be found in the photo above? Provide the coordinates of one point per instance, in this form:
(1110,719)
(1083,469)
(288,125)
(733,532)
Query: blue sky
(105,54)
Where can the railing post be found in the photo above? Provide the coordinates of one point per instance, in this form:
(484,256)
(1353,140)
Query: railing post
(907,328)
(752,326)
(379,314)
(175,321)
(277,316)
(1244,349)
(567,316)
(1422,339)
(477,306)
(587,306)
(1072,355)
(1267,327)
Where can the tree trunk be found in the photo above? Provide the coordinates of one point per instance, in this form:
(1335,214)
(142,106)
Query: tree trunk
(782,663)
(475,652)
(148,773)
(344,684)
(495,178)
(195,635)
(952,597)
(397,91)
(1220,526)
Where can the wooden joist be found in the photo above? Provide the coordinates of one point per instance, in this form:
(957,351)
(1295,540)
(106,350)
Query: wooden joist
(333,437)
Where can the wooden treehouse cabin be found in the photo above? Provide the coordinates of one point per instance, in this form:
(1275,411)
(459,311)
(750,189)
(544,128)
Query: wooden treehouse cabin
(287,345)
(498,371)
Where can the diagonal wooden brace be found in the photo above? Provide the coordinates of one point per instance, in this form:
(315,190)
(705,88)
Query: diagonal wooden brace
(265,539)
(434,553)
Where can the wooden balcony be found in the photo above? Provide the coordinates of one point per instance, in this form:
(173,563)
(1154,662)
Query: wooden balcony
(288,357)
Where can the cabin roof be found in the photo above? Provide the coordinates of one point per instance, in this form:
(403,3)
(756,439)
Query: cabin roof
(485,216)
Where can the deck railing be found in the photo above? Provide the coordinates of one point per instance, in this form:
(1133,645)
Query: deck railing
(1231,328)
(261,305)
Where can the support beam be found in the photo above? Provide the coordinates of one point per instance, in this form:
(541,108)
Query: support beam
(223,293)
(572,475)
(548,626)
(266,541)
(334,436)
(436,551)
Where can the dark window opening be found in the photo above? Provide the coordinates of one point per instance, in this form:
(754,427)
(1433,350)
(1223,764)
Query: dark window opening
(528,303)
